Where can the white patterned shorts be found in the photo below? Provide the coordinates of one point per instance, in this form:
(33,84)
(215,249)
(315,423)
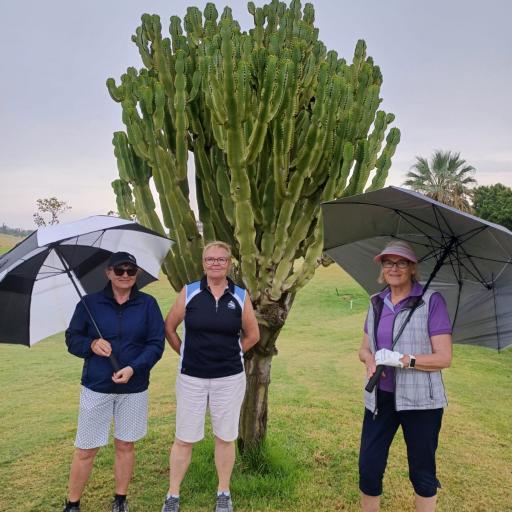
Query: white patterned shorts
(223,396)
(129,411)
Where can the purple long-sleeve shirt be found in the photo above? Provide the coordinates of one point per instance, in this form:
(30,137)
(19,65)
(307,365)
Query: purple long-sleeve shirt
(438,323)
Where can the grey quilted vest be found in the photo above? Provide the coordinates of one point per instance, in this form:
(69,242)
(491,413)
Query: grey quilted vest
(414,389)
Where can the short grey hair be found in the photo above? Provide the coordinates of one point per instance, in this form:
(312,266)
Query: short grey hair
(217,243)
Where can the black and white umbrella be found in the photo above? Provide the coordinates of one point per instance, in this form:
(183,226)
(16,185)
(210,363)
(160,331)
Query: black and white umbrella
(43,277)
(464,257)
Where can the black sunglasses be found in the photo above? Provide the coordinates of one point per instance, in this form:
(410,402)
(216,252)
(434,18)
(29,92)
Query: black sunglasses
(119,271)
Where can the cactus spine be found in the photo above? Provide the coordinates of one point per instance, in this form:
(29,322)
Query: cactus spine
(276,124)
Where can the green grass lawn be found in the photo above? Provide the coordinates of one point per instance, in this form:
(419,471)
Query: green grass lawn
(7,242)
(310,459)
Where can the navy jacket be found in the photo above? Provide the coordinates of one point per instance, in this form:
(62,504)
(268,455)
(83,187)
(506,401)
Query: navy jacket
(135,330)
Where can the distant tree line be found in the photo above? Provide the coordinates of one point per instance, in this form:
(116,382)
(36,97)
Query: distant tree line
(494,203)
(48,213)
(6,230)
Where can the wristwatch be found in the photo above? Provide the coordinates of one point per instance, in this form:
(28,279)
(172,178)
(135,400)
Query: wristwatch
(412,361)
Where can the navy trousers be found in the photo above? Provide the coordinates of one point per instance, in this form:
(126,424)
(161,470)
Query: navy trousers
(421,433)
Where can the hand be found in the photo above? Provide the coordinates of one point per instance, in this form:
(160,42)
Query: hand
(123,375)
(101,347)
(371,366)
(388,358)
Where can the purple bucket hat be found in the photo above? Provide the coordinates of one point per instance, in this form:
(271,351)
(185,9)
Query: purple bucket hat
(396,250)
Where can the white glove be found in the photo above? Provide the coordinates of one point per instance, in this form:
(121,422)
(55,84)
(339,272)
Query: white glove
(388,358)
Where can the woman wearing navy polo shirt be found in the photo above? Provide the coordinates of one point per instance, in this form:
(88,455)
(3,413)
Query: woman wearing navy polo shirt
(219,326)
(410,392)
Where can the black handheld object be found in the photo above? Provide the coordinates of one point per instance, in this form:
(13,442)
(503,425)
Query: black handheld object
(374,378)
(114,362)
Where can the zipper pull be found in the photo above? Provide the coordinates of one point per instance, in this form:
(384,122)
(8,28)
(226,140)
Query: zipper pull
(375,414)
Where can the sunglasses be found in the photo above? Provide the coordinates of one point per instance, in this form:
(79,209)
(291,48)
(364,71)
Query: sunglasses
(119,271)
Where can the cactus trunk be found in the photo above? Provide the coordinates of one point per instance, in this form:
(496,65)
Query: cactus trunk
(254,413)
(253,419)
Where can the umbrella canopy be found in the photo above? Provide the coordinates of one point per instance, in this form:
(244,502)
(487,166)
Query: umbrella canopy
(471,258)
(40,277)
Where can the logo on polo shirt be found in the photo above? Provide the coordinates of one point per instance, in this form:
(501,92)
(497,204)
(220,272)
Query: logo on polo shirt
(231,305)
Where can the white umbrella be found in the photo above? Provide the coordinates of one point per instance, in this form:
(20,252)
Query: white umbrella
(44,275)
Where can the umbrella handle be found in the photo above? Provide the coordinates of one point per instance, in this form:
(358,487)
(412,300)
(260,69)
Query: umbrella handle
(114,362)
(374,378)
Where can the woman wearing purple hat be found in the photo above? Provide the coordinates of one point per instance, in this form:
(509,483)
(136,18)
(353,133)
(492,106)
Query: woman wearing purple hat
(413,348)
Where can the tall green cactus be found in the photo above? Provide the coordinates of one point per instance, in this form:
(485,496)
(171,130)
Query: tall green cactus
(276,125)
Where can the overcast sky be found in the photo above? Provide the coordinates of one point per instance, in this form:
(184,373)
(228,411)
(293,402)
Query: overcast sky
(447,67)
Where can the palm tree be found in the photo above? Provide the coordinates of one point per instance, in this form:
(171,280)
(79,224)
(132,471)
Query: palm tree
(447,179)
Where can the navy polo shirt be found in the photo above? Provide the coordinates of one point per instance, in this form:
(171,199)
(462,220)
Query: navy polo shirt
(212,331)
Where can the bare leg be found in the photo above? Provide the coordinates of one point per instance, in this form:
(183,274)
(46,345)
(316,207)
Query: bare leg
(370,503)
(179,461)
(123,466)
(224,462)
(425,504)
(81,468)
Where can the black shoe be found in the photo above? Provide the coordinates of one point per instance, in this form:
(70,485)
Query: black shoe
(71,508)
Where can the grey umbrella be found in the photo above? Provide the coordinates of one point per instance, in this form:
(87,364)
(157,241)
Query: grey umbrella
(462,256)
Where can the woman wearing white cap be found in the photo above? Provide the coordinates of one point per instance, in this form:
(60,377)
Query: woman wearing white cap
(413,348)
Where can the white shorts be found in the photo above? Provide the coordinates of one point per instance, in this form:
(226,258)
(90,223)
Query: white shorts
(97,410)
(224,397)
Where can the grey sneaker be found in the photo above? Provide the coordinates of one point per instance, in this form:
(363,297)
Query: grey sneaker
(120,506)
(224,503)
(69,508)
(171,504)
